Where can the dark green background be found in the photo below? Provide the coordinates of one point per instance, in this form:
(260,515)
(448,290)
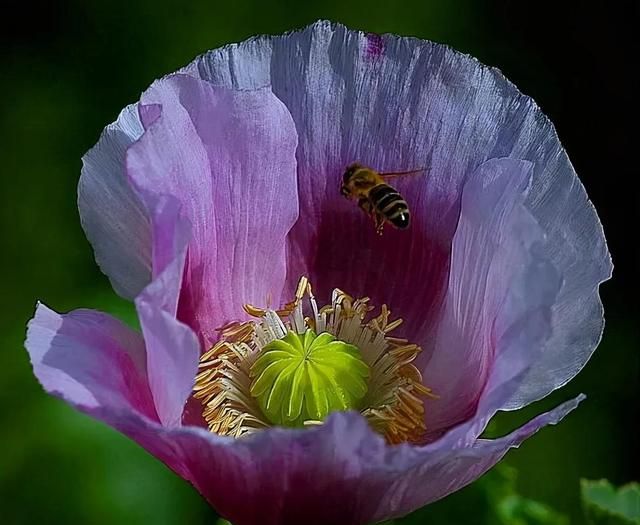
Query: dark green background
(69,67)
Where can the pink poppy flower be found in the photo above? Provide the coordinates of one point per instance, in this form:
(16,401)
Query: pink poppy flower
(261,373)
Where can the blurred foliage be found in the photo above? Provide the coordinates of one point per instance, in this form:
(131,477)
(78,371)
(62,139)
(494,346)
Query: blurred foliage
(490,500)
(69,67)
(606,505)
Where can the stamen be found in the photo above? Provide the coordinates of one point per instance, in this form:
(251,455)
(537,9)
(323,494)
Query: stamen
(268,371)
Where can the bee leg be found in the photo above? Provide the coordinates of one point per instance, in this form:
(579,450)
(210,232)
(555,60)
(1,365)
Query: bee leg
(379,220)
(365,205)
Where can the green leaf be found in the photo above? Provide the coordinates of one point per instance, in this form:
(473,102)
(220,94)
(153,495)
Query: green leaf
(490,500)
(516,510)
(604,505)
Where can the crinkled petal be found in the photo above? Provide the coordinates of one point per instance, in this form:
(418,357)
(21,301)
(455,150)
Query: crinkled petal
(336,474)
(228,157)
(496,315)
(90,359)
(112,215)
(172,348)
(402,103)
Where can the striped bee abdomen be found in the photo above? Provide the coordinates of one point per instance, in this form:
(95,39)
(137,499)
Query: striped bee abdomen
(390,204)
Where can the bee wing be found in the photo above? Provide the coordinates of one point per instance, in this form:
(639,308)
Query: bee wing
(392,174)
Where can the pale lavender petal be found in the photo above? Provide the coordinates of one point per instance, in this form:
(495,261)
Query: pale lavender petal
(496,314)
(404,103)
(112,216)
(90,360)
(228,157)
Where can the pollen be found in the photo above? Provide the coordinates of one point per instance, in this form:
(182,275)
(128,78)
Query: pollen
(296,365)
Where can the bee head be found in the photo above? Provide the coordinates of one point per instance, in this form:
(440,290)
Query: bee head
(349,171)
(346,177)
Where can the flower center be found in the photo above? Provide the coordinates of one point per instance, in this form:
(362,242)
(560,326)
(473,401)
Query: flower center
(294,366)
(305,377)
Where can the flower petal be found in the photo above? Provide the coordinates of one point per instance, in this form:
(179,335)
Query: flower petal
(112,215)
(496,315)
(170,237)
(338,473)
(172,349)
(344,112)
(445,468)
(90,360)
(402,103)
(228,157)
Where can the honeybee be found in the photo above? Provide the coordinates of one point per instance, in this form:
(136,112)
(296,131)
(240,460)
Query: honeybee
(375,197)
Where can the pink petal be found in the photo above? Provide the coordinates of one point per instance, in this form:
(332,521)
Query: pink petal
(340,473)
(173,350)
(112,215)
(172,359)
(409,104)
(228,158)
(170,237)
(90,360)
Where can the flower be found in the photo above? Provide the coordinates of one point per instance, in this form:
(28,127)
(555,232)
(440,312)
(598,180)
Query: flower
(217,195)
